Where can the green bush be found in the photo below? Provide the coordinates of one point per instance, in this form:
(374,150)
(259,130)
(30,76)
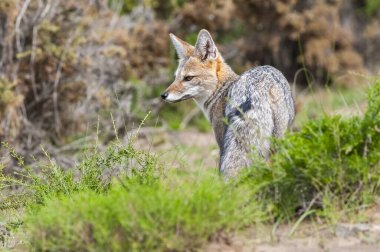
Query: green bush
(330,164)
(333,159)
(48,180)
(177,213)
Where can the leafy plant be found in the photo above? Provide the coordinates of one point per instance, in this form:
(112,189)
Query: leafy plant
(329,161)
(171,214)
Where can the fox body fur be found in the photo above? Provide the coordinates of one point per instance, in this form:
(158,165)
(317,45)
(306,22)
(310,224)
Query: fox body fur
(245,111)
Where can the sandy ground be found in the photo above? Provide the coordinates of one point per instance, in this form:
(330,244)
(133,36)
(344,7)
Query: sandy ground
(310,237)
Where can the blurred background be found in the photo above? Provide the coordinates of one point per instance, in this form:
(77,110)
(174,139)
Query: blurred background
(74,73)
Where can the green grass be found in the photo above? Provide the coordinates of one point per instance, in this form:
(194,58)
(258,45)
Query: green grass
(174,116)
(173,214)
(317,103)
(330,163)
(123,199)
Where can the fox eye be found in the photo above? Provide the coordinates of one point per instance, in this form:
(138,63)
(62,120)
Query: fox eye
(188,78)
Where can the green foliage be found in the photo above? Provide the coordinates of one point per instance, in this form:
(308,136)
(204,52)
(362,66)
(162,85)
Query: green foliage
(125,6)
(51,45)
(342,100)
(201,123)
(172,214)
(191,38)
(331,161)
(94,173)
(371,7)
(174,115)
(238,29)
(171,115)
(8,199)
(8,97)
(163,8)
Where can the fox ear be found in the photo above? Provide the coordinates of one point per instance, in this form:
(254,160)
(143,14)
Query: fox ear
(183,48)
(205,47)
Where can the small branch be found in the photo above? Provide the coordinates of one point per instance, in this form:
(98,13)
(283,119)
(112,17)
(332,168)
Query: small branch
(32,62)
(57,120)
(18,23)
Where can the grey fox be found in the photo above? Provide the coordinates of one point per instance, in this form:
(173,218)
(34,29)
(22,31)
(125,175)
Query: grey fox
(245,111)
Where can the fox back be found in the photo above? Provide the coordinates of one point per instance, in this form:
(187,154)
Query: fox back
(245,111)
(259,106)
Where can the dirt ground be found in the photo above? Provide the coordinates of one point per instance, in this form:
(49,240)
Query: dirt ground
(359,237)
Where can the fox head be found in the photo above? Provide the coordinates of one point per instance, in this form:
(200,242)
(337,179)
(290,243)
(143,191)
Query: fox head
(199,72)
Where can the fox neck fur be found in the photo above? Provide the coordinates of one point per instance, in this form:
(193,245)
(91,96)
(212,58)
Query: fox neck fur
(213,106)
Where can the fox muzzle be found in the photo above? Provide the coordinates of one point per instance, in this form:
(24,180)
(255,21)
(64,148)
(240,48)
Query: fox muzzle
(164,95)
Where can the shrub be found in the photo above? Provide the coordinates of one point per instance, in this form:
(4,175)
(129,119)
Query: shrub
(177,213)
(63,66)
(95,172)
(332,161)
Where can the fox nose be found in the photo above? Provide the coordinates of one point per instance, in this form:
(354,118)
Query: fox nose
(164,95)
